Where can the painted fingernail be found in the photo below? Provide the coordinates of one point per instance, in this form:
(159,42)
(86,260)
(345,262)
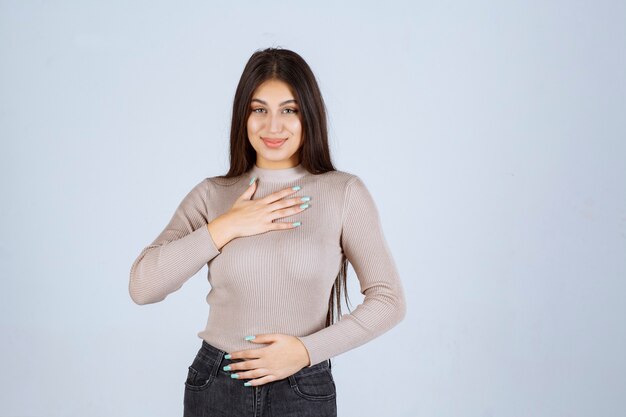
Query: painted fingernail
(235,376)
(296,188)
(227,368)
(305,198)
(249,337)
(305,205)
(252,180)
(296,224)
(247,384)
(227,356)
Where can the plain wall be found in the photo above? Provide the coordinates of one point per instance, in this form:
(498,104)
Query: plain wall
(491,134)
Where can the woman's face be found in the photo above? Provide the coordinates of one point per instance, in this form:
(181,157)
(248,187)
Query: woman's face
(275,116)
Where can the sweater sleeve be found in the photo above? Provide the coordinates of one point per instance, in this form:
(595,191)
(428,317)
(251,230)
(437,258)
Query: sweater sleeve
(178,252)
(366,249)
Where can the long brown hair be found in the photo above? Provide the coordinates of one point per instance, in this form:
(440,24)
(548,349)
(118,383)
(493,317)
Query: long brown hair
(289,67)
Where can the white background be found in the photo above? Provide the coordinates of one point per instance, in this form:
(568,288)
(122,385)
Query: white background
(491,134)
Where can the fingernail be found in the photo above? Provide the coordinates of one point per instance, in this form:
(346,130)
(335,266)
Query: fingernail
(296,188)
(227,356)
(247,384)
(252,180)
(250,337)
(227,368)
(296,224)
(234,376)
(305,205)
(305,198)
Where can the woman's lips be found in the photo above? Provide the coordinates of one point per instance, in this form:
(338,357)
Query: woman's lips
(273,143)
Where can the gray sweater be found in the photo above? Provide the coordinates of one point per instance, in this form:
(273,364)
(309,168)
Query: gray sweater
(279,281)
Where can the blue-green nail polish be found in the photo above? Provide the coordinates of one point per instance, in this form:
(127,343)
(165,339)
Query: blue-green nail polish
(305,205)
(227,368)
(305,198)
(250,337)
(235,376)
(247,384)
(252,180)
(227,356)
(296,224)
(296,188)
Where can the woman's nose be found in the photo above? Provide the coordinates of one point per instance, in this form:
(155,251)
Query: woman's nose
(275,123)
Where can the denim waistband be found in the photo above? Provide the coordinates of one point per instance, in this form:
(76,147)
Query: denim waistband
(216,355)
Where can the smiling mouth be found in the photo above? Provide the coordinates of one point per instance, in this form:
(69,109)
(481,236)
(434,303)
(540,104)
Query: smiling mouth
(274,144)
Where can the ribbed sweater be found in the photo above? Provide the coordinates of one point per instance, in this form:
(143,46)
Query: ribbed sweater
(279,281)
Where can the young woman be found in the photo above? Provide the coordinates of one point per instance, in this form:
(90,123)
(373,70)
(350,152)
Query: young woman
(276,232)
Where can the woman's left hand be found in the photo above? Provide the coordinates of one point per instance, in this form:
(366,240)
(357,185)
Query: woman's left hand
(285,356)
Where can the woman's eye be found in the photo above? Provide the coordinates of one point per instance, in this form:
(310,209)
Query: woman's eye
(260,110)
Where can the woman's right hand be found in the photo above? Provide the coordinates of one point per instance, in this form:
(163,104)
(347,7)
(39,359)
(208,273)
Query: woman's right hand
(250,217)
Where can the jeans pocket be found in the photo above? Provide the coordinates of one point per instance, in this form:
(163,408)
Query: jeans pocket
(316,386)
(199,374)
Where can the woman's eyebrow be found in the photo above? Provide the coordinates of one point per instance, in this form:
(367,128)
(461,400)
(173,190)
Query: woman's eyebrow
(281,104)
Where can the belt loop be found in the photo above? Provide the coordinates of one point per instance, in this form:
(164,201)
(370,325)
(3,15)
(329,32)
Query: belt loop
(218,356)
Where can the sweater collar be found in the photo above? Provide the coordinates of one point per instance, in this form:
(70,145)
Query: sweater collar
(280,174)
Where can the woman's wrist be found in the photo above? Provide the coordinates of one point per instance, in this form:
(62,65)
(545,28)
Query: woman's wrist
(220,232)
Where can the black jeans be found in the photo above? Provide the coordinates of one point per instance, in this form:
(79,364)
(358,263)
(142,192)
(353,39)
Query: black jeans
(211,392)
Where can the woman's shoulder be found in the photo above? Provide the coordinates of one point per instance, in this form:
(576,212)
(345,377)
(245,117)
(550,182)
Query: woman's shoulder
(220,180)
(337,177)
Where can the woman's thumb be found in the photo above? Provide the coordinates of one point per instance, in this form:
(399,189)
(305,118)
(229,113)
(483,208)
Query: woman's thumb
(250,190)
